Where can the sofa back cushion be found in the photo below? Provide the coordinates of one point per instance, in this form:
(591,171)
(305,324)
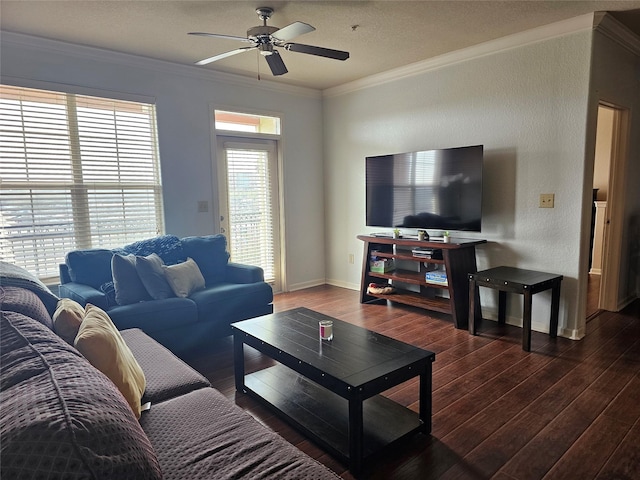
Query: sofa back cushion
(62,418)
(91,267)
(210,253)
(21,300)
(167,247)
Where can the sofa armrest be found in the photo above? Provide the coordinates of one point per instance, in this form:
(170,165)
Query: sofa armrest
(84,294)
(239,273)
(65,276)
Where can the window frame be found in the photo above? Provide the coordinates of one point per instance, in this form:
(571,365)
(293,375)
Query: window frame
(77,191)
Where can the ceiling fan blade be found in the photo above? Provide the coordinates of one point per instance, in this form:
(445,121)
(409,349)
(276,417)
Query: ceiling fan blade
(224,55)
(291,31)
(319,51)
(217,35)
(276,64)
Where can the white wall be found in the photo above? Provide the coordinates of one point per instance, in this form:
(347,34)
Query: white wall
(528,107)
(184,97)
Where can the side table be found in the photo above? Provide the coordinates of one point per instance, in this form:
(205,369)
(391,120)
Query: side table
(516,280)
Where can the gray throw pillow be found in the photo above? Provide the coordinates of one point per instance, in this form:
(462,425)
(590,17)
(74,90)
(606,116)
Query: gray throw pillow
(152,275)
(184,278)
(127,283)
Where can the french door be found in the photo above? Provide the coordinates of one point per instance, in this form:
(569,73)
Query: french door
(249,203)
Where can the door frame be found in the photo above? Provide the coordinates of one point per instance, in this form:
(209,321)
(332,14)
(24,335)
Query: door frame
(280,284)
(614,221)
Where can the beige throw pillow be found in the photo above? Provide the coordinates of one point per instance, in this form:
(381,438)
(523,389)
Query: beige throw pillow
(67,319)
(101,343)
(184,278)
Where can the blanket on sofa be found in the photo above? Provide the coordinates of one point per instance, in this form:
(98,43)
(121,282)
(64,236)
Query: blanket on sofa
(15,276)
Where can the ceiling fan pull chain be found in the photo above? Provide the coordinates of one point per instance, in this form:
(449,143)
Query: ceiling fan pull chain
(258,63)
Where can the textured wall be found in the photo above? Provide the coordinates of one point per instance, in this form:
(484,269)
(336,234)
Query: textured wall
(528,107)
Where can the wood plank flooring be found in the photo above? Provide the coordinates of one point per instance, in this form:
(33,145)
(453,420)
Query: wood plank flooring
(566,410)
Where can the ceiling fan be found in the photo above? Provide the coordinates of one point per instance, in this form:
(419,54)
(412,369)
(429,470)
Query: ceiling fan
(264,38)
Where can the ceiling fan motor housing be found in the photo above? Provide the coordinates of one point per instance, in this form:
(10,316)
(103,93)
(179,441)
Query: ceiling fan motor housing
(261,32)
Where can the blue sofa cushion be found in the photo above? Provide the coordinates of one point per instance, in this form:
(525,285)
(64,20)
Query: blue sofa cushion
(109,290)
(91,267)
(155,315)
(230,300)
(210,253)
(167,247)
(129,287)
(152,275)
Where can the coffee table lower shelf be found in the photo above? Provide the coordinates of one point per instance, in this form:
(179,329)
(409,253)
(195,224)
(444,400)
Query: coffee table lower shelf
(324,416)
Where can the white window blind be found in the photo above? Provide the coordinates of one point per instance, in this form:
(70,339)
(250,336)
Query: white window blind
(75,172)
(251,217)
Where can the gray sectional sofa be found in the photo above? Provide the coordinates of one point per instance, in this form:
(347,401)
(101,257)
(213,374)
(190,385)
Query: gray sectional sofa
(232,292)
(63,419)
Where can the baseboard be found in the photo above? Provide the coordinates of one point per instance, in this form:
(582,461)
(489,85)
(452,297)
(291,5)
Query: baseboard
(624,303)
(541,327)
(339,283)
(301,286)
(595,271)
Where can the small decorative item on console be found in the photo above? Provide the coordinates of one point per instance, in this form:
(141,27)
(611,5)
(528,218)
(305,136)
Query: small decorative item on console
(381,289)
(326,329)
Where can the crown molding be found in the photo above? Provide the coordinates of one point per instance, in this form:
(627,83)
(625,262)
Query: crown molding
(616,31)
(535,35)
(157,66)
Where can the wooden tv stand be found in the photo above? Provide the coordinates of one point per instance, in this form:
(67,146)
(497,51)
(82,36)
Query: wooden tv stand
(458,258)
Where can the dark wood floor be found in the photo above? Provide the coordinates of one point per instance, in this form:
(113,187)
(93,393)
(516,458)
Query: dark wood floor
(566,410)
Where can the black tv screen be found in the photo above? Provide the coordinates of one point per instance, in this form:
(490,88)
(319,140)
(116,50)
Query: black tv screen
(431,189)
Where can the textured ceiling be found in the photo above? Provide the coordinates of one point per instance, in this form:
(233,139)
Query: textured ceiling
(380,35)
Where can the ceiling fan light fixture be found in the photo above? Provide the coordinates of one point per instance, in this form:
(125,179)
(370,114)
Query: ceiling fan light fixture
(265,49)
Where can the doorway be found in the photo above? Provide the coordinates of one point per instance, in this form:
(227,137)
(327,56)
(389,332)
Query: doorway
(249,203)
(607,209)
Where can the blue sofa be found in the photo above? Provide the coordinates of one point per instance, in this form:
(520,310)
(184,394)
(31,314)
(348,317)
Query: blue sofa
(232,291)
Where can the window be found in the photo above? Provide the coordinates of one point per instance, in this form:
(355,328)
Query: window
(75,172)
(246,122)
(248,174)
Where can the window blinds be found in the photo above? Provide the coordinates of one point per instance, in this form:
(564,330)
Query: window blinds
(75,172)
(251,219)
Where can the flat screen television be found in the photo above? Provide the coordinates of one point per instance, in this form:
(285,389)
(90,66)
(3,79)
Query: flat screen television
(431,189)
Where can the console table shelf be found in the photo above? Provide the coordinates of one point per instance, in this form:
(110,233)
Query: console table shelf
(458,259)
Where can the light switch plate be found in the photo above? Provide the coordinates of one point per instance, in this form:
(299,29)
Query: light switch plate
(546,200)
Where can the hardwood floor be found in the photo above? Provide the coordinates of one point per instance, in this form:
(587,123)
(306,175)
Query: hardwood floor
(566,410)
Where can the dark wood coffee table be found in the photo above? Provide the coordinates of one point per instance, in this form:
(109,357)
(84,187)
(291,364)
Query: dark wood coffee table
(330,390)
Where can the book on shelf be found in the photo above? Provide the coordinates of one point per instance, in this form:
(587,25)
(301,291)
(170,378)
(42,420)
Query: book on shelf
(422,252)
(436,276)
